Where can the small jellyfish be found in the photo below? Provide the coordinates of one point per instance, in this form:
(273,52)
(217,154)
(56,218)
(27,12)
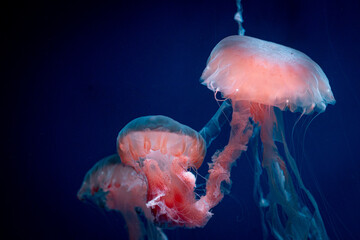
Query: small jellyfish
(262,78)
(112,185)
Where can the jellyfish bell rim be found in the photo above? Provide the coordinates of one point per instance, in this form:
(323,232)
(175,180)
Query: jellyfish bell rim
(155,127)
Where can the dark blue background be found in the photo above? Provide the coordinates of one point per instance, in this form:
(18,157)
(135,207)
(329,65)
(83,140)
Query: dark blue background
(77,72)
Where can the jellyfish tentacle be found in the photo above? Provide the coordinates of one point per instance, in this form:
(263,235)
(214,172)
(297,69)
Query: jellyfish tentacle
(282,195)
(286,214)
(222,161)
(317,230)
(213,128)
(258,194)
(135,227)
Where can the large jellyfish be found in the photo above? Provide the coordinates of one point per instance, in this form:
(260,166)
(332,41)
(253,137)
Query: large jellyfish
(152,180)
(262,78)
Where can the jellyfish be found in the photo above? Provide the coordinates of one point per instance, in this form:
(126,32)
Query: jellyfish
(149,182)
(165,151)
(110,184)
(262,79)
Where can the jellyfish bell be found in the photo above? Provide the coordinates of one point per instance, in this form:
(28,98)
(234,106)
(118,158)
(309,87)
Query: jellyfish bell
(113,186)
(107,179)
(164,150)
(151,134)
(262,78)
(254,70)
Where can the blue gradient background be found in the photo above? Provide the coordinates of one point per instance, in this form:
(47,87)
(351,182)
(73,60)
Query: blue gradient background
(77,72)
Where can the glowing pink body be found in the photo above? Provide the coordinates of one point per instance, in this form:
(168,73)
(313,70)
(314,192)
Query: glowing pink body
(254,70)
(116,186)
(164,151)
(154,175)
(260,78)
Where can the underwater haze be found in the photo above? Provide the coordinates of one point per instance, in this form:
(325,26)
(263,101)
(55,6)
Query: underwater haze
(77,72)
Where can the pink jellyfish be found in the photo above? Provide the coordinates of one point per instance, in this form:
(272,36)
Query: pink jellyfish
(153,177)
(164,151)
(112,185)
(262,78)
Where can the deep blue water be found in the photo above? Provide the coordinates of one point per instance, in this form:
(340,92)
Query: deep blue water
(77,72)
